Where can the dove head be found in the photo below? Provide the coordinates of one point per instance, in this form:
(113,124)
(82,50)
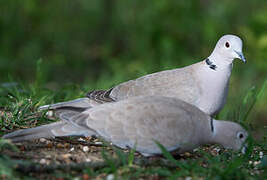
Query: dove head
(228,48)
(230,135)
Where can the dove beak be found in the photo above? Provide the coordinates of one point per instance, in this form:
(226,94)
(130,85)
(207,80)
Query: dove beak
(241,56)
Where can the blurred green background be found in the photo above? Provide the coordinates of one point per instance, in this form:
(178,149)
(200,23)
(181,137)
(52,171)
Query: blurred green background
(100,43)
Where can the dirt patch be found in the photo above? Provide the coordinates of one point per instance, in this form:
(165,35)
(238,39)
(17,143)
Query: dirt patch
(59,151)
(44,159)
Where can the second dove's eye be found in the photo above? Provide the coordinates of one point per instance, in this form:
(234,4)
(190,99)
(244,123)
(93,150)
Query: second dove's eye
(240,135)
(227,45)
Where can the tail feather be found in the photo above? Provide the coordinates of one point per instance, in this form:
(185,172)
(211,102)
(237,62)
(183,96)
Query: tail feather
(49,131)
(74,106)
(79,103)
(70,111)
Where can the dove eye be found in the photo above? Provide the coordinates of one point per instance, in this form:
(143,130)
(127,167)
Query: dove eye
(227,45)
(240,135)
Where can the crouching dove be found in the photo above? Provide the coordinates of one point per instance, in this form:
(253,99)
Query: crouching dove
(139,122)
(204,84)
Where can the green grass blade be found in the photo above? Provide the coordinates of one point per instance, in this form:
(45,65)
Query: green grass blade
(166,153)
(169,156)
(109,161)
(121,155)
(131,156)
(255,95)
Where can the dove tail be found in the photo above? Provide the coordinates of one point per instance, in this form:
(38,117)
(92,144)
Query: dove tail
(49,131)
(44,131)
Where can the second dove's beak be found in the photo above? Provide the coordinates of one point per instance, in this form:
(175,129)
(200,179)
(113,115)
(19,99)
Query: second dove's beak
(244,149)
(241,56)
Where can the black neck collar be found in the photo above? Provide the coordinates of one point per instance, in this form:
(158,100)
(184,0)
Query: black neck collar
(210,64)
(211,125)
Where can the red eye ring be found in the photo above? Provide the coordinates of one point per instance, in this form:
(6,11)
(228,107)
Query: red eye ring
(227,45)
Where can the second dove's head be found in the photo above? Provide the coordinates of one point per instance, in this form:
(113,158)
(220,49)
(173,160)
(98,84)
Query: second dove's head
(228,48)
(231,135)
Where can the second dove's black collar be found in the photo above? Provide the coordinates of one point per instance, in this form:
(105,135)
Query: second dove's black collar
(210,64)
(211,125)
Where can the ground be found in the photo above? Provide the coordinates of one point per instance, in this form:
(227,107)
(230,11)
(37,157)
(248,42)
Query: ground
(90,158)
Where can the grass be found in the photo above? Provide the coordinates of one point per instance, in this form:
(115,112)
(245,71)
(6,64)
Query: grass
(19,106)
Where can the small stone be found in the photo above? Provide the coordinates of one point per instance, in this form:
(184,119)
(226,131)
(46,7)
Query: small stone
(47,141)
(256,163)
(188,178)
(42,161)
(88,160)
(42,140)
(48,156)
(49,113)
(81,139)
(217,149)
(98,143)
(66,156)
(66,145)
(85,177)
(59,145)
(187,154)
(261,154)
(85,149)
(72,149)
(88,138)
(49,145)
(110,177)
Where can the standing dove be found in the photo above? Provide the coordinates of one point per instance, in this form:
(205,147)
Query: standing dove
(140,122)
(204,84)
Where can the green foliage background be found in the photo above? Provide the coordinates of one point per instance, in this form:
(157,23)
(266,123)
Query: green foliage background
(100,43)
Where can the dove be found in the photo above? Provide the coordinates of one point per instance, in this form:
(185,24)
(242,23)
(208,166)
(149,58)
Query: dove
(204,84)
(141,122)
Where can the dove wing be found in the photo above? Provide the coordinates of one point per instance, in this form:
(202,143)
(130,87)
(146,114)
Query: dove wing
(180,83)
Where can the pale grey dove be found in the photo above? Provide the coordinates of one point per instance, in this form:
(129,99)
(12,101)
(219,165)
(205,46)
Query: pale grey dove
(204,84)
(140,122)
